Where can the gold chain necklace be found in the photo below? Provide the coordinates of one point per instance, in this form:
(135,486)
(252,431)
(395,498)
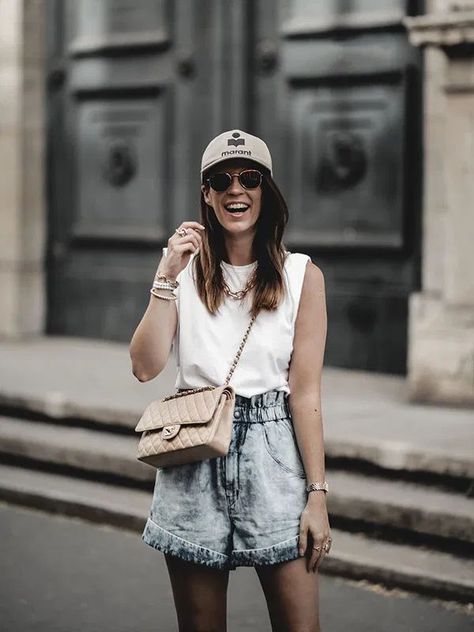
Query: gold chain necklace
(240,294)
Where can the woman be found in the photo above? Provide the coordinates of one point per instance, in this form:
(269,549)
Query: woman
(264,503)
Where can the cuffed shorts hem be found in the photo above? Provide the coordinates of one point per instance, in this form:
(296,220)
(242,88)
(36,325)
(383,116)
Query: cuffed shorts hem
(280,552)
(168,542)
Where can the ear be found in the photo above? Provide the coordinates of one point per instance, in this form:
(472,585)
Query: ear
(205,192)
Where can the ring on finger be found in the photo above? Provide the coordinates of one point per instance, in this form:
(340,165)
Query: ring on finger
(181,231)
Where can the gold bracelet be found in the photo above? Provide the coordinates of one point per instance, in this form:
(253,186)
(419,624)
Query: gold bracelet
(168,298)
(162,277)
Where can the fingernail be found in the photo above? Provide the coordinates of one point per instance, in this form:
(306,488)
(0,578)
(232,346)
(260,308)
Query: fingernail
(301,552)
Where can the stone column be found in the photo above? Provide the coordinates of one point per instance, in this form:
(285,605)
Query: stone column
(441,326)
(22,215)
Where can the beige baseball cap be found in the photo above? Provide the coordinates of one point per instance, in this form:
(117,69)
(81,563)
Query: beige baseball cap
(236,144)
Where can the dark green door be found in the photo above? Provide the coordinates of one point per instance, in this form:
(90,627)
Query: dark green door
(338,98)
(136,90)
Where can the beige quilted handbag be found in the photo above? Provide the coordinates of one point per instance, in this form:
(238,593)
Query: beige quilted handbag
(191,425)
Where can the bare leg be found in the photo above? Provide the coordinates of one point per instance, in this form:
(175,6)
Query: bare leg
(200,595)
(292,596)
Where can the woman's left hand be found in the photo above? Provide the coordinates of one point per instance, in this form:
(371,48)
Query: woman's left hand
(314,521)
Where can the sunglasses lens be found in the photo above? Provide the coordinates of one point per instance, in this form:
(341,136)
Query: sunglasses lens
(220,181)
(250,179)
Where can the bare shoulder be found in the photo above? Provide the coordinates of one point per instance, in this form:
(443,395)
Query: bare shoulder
(310,335)
(312,300)
(313,283)
(313,277)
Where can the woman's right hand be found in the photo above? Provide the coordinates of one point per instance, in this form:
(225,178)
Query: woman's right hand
(180,249)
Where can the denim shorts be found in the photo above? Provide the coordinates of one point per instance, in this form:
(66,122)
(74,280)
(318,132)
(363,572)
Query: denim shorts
(242,509)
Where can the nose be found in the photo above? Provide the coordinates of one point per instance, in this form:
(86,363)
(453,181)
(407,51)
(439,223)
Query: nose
(235,186)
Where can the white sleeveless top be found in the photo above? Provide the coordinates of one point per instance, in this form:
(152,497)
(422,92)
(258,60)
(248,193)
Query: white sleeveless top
(205,344)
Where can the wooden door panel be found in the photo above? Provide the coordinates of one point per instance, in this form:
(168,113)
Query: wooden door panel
(118,119)
(120,160)
(347,177)
(313,17)
(338,98)
(138,87)
(106,26)
(136,90)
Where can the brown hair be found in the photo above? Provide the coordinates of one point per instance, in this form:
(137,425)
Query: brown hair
(267,246)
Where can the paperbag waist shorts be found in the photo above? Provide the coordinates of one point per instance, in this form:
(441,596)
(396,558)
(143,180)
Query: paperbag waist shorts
(242,509)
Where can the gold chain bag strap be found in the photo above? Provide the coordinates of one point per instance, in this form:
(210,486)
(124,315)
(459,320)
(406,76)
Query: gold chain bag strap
(191,425)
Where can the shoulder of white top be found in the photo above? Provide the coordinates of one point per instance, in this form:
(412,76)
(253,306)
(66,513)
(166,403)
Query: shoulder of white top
(299,255)
(297,260)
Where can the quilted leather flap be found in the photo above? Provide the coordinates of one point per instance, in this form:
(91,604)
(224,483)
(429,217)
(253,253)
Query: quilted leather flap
(194,408)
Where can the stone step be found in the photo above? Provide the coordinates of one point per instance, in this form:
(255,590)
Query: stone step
(86,449)
(352,555)
(367,416)
(404,505)
(63,494)
(397,456)
(357,497)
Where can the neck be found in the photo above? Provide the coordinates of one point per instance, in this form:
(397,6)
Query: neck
(239,255)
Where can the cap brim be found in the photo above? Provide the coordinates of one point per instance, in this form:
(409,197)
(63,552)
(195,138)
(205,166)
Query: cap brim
(234,158)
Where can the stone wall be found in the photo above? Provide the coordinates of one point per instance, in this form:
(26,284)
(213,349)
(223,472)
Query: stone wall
(22,138)
(441,328)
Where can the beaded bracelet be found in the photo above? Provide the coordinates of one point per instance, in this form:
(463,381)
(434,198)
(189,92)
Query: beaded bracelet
(162,286)
(168,298)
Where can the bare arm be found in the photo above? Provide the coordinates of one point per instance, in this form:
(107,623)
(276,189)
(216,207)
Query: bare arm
(151,342)
(305,406)
(305,374)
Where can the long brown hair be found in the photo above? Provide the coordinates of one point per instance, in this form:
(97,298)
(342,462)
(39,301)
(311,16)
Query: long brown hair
(267,246)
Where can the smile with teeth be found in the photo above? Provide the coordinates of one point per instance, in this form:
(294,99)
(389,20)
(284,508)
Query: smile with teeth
(236,207)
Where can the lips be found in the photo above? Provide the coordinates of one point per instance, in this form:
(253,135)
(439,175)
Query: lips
(236,207)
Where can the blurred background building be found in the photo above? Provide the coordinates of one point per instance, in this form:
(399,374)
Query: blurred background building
(367,107)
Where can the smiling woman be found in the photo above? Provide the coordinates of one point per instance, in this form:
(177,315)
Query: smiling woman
(235,193)
(262,504)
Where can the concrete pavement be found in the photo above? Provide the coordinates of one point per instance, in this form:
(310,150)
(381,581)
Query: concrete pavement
(400,475)
(67,575)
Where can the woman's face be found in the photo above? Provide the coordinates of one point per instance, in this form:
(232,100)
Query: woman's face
(236,193)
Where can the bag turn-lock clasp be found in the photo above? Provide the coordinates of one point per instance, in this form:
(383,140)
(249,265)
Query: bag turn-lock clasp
(171,431)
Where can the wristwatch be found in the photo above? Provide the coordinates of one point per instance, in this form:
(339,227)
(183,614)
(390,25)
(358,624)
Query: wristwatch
(318,487)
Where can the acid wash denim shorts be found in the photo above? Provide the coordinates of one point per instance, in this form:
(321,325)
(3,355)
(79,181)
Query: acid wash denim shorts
(242,509)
